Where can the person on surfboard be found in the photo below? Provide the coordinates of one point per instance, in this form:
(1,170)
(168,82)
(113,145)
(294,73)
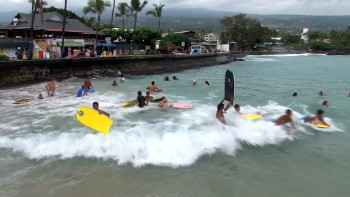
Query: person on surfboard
(153,88)
(221,109)
(95,106)
(316,119)
(286,118)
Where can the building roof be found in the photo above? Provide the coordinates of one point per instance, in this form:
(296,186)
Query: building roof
(52,22)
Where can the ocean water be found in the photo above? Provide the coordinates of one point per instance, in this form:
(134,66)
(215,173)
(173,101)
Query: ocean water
(171,152)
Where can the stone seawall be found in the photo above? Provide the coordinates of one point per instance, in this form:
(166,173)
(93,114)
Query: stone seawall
(38,70)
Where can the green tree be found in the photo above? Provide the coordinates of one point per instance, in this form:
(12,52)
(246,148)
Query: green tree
(123,12)
(173,39)
(291,39)
(157,12)
(341,39)
(96,7)
(245,31)
(317,35)
(135,7)
(146,36)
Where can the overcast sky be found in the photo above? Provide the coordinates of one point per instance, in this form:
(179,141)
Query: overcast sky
(307,7)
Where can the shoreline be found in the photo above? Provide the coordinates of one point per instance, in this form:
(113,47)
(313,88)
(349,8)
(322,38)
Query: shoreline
(24,73)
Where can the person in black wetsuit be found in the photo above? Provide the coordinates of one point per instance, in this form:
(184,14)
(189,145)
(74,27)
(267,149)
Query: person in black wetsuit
(141,99)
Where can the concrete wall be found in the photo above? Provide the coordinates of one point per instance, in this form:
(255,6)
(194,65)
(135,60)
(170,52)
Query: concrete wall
(38,70)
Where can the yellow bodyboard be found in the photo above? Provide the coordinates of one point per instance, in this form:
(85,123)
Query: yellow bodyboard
(251,116)
(321,125)
(23,101)
(130,103)
(92,119)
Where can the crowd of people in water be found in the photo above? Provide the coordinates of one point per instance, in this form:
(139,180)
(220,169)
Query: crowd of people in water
(142,101)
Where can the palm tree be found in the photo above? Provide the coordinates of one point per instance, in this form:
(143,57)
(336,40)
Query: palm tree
(40,4)
(63,28)
(112,12)
(135,7)
(37,7)
(157,12)
(96,7)
(123,12)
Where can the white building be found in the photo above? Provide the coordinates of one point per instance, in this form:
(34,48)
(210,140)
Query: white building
(304,35)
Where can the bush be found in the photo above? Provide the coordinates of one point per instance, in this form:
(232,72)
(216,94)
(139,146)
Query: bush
(4,58)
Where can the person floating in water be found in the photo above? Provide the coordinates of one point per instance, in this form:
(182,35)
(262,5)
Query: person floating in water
(221,109)
(141,99)
(148,96)
(295,94)
(122,79)
(114,83)
(326,103)
(40,96)
(206,84)
(237,108)
(166,78)
(194,82)
(286,118)
(175,78)
(95,106)
(153,88)
(316,119)
(51,88)
(87,83)
(320,93)
(162,102)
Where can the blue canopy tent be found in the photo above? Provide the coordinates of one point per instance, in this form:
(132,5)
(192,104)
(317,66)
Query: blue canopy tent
(108,46)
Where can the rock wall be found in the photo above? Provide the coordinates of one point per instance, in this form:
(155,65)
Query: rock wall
(38,70)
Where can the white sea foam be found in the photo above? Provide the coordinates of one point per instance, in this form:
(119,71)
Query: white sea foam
(150,136)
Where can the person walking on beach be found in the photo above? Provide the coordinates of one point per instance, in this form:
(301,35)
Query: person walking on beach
(221,109)
(286,118)
(51,88)
(153,88)
(95,106)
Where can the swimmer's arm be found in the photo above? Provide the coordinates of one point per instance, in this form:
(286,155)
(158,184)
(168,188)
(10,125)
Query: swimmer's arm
(103,112)
(229,103)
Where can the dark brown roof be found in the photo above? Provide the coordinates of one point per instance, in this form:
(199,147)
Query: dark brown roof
(52,22)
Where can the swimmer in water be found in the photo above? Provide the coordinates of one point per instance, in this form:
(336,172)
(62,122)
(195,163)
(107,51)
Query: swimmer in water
(153,88)
(206,84)
(286,118)
(221,109)
(95,106)
(326,103)
(316,119)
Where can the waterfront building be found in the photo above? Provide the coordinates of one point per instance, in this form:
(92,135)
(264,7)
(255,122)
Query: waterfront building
(15,37)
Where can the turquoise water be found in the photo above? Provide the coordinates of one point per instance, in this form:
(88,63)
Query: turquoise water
(44,151)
